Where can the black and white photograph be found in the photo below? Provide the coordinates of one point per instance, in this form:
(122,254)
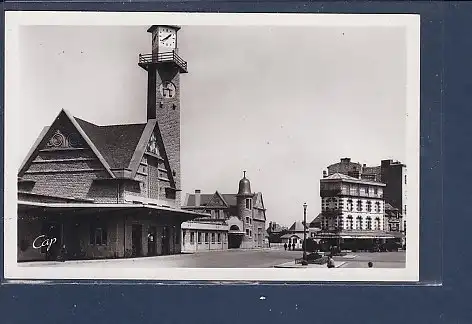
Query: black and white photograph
(222,147)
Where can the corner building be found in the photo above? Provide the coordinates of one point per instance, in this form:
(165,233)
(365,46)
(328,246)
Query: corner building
(109,191)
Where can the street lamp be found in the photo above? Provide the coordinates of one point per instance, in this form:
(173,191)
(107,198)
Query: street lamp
(304,233)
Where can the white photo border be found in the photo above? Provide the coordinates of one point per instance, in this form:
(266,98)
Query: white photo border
(16,19)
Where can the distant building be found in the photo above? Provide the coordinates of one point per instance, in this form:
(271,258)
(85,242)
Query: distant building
(228,221)
(392,219)
(295,235)
(392,173)
(351,204)
(275,232)
(354,207)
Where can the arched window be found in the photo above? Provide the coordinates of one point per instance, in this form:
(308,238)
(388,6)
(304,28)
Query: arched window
(349,222)
(369,223)
(359,222)
(359,205)
(377,206)
(234,228)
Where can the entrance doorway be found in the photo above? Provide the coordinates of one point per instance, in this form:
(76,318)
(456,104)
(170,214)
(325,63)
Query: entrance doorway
(152,241)
(136,240)
(166,240)
(234,241)
(72,238)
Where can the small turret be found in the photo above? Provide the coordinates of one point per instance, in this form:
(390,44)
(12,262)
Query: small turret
(244,186)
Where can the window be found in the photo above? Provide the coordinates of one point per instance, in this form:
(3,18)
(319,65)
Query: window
(359,222)
(98,235)
(247,220)
(369,223)
(199,238)
(206,237)
(170,193)
(377,223)
(249,203)
(212,237)
(377,207)
(359,205)
(192,237)
(219,237)
(247,231)
(369,206)
(349,222)
(405,179)
(349,205)
(217,214)
(250,221)
(375,190)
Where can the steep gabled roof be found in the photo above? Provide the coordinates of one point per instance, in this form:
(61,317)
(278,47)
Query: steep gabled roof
(204,199)
(116,143)
(217,197)
(118,147)
(43,137)
(230,199)
(296,227)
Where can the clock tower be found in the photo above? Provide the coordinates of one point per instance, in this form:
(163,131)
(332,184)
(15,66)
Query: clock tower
(164,67)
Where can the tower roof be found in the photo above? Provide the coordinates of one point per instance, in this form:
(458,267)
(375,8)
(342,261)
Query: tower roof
(244,186)
(153,27)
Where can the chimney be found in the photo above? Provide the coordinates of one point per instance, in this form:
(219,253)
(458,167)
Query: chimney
(345,160)
(325,174)
(197,198)
(364,165)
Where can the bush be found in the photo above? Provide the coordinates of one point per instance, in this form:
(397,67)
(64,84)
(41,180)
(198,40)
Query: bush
(313,256)
(322,260)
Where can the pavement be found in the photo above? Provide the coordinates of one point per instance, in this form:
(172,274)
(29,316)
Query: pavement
(261,258)
(292,264)
(379,260)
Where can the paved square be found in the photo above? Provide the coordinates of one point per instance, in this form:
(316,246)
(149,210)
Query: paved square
(233,259)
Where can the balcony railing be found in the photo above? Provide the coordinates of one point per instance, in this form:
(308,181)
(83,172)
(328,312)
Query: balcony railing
(167,57)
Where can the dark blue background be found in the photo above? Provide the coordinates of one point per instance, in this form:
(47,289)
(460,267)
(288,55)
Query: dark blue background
(446,53)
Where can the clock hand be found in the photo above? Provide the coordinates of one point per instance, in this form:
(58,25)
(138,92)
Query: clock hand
(166,37)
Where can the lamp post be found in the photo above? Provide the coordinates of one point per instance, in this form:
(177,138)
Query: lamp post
(304,233)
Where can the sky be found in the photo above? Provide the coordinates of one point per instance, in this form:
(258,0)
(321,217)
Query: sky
(280,102)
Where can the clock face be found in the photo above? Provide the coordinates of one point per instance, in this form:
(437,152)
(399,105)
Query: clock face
(167,37)
(167,89)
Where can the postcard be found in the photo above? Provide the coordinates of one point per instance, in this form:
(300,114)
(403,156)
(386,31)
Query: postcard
(220,147)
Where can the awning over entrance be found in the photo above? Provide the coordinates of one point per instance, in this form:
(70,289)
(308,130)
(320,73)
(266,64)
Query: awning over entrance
(89,208)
